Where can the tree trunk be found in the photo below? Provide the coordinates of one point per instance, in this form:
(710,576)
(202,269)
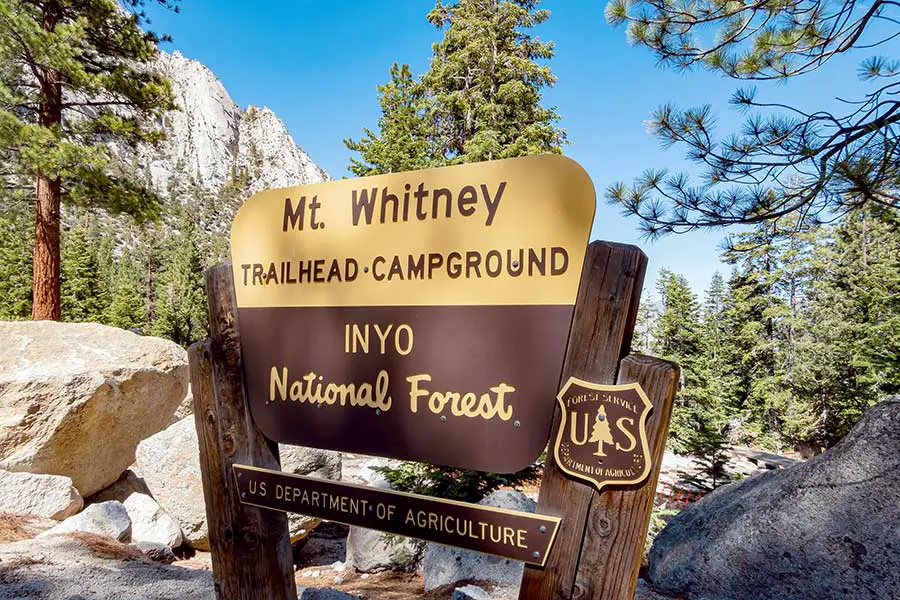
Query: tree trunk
(45,282)
(47,194)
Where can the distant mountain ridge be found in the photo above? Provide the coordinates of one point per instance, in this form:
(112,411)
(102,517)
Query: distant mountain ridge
(211,141)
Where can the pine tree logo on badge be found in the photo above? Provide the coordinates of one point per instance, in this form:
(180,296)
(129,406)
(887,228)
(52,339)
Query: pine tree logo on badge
(602,437)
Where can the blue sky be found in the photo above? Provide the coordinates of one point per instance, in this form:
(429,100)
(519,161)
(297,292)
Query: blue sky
(317,65)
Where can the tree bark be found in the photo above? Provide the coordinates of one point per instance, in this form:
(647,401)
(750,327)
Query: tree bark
(45,281)
(47,196)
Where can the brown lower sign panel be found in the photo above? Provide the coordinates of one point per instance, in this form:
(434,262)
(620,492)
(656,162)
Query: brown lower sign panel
(464,386)
(510,534)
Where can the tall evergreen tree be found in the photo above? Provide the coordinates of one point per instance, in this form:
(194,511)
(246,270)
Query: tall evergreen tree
(179,297)
(850,355)
(677,337)
(480,99)
(699,423)
(127,306)
(767,317)
(404,138)
(73,78)
(16,242)
(85,289)
(486,81)
(642,341)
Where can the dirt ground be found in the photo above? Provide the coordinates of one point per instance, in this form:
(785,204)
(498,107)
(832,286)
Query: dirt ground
(320,562)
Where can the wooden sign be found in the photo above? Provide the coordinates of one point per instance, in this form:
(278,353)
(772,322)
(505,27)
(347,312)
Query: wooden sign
(602,437)
(593,549)
(510,534)
(419,315)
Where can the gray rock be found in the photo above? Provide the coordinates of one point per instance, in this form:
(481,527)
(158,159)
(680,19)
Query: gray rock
(498,592)
(313,462)
(185,409)
(106,518)
(445,565)
(471,592)
(63,568)
(370,551)
(645,592)
(127,484)
(359,468)
(150,523)
(76,398)
(827,529)
(211,138)
(324,594)
(170,464)
(47,496)
(156,552)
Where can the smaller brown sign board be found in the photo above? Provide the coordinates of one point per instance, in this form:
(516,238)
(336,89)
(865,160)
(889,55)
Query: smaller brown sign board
(510,534)
(602,437)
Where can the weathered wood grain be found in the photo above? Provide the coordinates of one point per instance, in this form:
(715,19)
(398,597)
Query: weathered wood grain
(602,327)
(619,517)
(250,546)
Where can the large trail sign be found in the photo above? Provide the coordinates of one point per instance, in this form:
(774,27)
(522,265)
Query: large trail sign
(420,315)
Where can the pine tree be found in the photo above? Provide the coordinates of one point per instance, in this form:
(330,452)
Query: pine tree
(403,141)
(480,99)
(767,318)
(179,297)
(676,337)
(127,307)
(72,80)
(699,421)
(16,241)
(798,160)
(850,356)
(486,81)
(85,291)
(644,325)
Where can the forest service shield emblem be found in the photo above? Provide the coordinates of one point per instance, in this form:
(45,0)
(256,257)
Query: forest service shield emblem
(602,437)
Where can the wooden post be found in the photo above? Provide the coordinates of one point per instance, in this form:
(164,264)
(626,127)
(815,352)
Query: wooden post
(251,551)
(618,518)
(605,313)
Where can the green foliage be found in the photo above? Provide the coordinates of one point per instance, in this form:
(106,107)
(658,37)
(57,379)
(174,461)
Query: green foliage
(403,141)
(16,240)
(146,278)
(784,159)
(803,338)
(73,80)
(127,307)
(699,422)
(480,100)
(179,296)
(94,50)
(450,483)
(850,358)
(85,288)
(485,82)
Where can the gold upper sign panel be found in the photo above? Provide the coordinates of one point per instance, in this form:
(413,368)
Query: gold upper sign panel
(502,232)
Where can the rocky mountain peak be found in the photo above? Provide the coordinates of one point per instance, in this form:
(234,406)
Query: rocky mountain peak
(211,141)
